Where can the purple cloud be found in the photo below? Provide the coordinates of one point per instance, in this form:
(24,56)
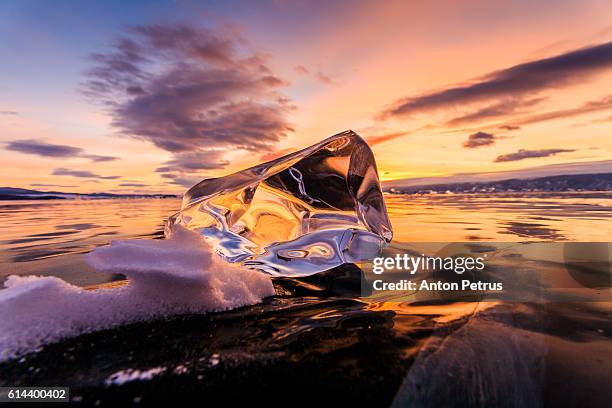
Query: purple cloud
(43,149)
(495,110)
(528,154)
(509,127)
(195,161)
(518,81)
(81,173)
(98,158)
(51,185)
(479,139)
(190,90)
(183,181)
(31,146)
(133,185)
(587,107)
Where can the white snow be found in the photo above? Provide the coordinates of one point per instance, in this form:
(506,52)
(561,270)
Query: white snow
(123,376)
(176,275)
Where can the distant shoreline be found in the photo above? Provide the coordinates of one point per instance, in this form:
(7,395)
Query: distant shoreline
(433,193)
(48,198)
(84,197)
(600,182)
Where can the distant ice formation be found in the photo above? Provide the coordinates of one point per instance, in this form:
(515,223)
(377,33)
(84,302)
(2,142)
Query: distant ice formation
(176,275)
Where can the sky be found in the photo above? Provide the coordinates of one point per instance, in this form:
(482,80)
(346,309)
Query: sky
(153,96)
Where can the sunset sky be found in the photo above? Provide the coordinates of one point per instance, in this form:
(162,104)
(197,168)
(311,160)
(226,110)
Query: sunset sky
(154,96)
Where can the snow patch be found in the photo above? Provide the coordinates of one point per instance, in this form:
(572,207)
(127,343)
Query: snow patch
(177,275)
(124,376)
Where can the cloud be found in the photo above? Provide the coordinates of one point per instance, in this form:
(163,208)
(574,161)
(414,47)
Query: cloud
(195,161)
(517,81)
(496,110)
(528,154)
(378,139)
(588,107)
(323,78)
(509,127)
(133,185)
(31,146)
(39,148)
(50,185)
(191,91)
(183,181)
(7,112)
(184,169)
(81,173)
(300,69)
(479,139)
(97,158)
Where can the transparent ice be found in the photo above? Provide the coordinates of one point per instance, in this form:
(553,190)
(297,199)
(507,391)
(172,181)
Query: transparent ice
(298,215)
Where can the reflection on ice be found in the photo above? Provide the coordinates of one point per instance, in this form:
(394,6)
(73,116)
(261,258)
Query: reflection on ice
(298,215)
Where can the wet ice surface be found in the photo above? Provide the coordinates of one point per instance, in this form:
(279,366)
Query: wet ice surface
(350,352)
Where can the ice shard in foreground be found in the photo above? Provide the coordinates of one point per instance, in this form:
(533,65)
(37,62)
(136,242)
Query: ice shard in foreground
(300,214)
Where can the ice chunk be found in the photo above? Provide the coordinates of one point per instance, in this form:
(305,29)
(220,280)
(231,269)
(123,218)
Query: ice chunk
(303,213)
(175,275)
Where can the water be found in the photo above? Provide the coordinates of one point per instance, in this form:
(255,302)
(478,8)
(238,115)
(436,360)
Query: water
(501,217)
(357,351)
(49,237)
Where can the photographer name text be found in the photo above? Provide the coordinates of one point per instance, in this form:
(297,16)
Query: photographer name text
(410,264)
